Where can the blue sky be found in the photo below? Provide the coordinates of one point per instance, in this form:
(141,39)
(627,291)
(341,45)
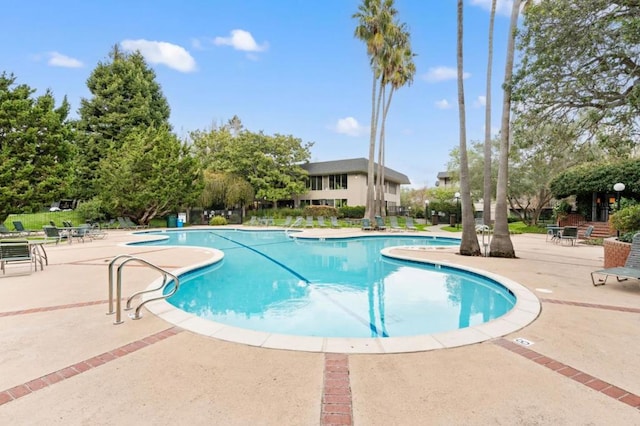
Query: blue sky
(283,66)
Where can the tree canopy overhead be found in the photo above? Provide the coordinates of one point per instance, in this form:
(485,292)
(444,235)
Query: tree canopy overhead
(35,148)
(581,62)
(124,97)
(588,178)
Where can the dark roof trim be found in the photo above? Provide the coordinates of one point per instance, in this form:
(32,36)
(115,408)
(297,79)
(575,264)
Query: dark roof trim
(354,165)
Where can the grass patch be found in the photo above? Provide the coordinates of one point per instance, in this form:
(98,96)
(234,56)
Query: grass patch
(35,221)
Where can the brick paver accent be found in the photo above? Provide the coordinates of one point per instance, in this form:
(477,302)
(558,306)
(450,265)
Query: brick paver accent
(598,385)
(336,394)
(65,373)
(593,305)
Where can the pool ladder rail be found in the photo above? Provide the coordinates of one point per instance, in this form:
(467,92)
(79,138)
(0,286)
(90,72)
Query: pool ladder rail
(118,308)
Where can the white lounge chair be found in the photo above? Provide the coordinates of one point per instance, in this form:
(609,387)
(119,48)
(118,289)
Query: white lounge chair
(631,268)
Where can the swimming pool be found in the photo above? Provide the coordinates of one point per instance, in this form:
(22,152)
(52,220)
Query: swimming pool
(349,288)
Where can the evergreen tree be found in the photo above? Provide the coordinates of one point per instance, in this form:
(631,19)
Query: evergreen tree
(35,148)
(125,97)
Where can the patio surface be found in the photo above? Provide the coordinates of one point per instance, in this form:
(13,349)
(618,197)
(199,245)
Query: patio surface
(63,362)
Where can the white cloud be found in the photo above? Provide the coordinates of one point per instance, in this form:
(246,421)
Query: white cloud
(503,7)
(437,74)
(59,60)
(349,126)
(161,52)
(240,40)
(480,101)
(443,104)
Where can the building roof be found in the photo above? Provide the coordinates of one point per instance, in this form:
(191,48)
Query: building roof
(354,165)
(444,175)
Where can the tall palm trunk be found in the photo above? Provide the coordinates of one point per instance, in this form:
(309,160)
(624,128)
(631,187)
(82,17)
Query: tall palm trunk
(501,245)
(469,245)
(381,153)
(379,174)
(370,206)
(487,189)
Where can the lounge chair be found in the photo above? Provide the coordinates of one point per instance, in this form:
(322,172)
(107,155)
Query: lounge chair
(53,233)
(569,234)
(298,223)
(393,224)
(4,232)
(309,223)
(334,222)
(21,229)
(132,225)
(409,224)
(287,221)
(587,232)
(631,268)
(17,251)
(253,221)
(321,223)
(380,223)
(366,224)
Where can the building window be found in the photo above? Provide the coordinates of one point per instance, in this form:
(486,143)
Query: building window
(338,181)
(315,183)
(392,188)
(340,203)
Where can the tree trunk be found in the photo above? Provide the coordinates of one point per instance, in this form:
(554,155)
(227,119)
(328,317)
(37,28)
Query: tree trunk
(469,245)
(379,174)
(501,245)
(381,153)
(375,109)
(487,189)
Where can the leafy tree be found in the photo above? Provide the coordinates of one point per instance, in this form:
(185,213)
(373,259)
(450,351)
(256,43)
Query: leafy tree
(469,244)
(271,164)
(35,148)
(124,98)
(225,190)
(580,63)
(154,176)
(587,178)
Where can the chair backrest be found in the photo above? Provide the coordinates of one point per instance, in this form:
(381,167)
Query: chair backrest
(310,220)
(51,231)
(393,221)
(366,223)
(334,221)
(14,250)
(570,232)
(18,225)
(409,222)
(588,231)
(633,260)
(287,221)
(321,220)
(380,221)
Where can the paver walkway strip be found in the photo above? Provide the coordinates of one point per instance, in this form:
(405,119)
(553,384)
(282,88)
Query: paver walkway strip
(592,305)
(336,393)
(82,366)
(608,389)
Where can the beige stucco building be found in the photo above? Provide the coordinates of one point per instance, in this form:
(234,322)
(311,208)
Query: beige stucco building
(344,183)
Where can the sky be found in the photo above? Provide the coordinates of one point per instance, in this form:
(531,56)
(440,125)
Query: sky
(291,67)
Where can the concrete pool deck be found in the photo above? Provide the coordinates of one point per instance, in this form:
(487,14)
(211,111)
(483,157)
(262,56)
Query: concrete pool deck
(63,362)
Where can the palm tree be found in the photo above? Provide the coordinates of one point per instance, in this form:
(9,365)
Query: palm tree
(469,245)
(398,69)
(487,190)
(375,17)
(501,245)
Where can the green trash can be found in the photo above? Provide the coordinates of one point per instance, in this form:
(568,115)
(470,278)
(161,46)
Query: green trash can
(172,221)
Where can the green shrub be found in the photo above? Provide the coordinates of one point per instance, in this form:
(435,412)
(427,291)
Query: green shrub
(315,211)
(354,212)
(91,210)
(627,237)
(217,220)
(627,219)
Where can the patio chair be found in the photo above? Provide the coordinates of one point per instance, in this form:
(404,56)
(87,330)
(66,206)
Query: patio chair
(253,221)
(287,221)
(321,223)
(21,229)
(569,234)
(17,251)
(4,232)
(334,222)
(53,233)
(309,223)
(631,268)
(393,224)
(380,223)
(132,225)
(409,224)
(366,224)
(298,223)
(588,232)
(96,233)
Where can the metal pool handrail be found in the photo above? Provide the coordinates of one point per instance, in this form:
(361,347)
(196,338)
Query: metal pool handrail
(118,310)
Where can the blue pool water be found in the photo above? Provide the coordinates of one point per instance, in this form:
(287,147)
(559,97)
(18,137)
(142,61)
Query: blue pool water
(270,282)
